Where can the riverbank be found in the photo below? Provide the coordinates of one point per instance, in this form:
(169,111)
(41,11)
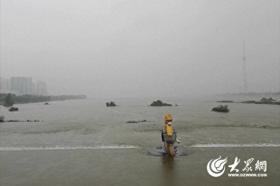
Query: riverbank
(21,99)
(265,101)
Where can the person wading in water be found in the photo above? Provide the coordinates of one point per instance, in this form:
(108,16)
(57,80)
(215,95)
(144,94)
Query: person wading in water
(168,135)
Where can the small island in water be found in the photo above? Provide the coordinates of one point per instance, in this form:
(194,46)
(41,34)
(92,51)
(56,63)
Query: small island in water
(159,103)
(111,104)
(221,108)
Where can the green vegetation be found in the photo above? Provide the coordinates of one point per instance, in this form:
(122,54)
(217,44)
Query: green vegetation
(111,104)
(221,108)
(159,103)
(10,99)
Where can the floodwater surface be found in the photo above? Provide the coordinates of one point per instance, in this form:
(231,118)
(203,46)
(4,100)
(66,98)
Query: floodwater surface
(82,142)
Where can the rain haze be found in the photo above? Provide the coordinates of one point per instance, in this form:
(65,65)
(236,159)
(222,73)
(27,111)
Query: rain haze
(142,48)
(139,92)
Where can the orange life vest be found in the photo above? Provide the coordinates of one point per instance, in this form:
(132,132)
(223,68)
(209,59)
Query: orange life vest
(169,130)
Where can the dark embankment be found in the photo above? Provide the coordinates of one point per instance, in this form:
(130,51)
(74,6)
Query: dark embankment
(10,99)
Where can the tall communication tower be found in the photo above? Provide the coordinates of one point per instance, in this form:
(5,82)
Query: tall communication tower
(244,69)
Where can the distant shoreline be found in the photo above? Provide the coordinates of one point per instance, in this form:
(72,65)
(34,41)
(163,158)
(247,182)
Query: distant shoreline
(24,99)
(260,94)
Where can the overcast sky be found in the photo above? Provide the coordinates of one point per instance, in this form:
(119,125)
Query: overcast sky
(111,48)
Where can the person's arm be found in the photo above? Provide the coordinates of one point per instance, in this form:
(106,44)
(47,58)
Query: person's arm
(178,140)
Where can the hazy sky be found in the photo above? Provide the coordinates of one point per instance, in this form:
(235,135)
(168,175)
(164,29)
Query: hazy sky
(111,48)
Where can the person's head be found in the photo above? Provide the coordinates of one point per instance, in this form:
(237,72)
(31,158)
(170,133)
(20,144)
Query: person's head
(168,119)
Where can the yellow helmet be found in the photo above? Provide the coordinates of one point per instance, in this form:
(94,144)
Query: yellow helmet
(168,117)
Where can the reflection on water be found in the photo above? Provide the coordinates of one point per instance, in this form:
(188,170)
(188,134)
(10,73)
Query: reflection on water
(168,170)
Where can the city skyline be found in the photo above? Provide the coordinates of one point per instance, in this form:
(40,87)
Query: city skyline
(22,86)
